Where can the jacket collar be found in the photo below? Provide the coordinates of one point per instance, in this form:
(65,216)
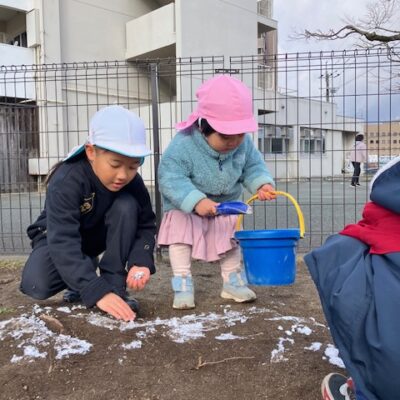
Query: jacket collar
(201,142)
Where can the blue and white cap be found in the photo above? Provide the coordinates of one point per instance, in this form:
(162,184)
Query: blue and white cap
(116,129)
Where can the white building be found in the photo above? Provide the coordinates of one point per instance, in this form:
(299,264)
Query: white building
(66,31)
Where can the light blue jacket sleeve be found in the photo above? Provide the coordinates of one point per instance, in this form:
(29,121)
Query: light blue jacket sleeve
(174,179)
(255,171)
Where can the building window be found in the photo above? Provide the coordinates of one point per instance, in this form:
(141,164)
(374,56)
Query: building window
(312,141)
(19,40)
(371,141)
(276,145)
(273,140)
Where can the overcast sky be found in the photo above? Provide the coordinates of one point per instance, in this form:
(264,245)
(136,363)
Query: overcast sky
(297,15)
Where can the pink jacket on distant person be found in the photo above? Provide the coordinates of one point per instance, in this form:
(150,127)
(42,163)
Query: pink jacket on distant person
(359,152)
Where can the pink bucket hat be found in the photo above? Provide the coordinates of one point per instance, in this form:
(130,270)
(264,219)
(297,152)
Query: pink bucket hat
(226,104)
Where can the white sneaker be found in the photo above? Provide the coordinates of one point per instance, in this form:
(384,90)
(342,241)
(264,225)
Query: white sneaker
(236,288)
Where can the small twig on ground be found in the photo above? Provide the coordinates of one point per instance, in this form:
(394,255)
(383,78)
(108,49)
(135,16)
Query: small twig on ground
(5,281)
(52,323)
(201,364)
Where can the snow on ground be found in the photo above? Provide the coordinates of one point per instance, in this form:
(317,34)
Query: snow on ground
(32,338)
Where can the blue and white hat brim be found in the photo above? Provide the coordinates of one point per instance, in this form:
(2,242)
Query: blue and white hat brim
(139,151)
(75,152)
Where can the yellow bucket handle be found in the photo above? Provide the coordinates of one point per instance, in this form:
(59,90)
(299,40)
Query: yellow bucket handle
(291,198)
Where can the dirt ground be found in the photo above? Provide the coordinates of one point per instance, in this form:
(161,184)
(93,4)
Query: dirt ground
(277,348)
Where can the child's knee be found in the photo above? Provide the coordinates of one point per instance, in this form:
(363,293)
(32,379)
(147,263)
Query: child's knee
(35,290)
(39,283)
(125,204)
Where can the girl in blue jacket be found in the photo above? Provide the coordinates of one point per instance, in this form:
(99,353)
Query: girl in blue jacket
(206,163)
(96,203)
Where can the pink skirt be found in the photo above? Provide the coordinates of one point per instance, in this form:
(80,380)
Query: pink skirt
(210,237)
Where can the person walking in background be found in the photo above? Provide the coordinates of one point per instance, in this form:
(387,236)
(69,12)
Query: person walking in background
(207,162)
(357,156)
(96,203)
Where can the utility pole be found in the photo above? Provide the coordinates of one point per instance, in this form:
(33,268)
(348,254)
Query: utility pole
(327,89)
(328,76)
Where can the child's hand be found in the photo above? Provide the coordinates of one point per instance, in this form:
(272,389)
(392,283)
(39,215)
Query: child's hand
(114,305)
(137,278)
(206,208)
(265,192)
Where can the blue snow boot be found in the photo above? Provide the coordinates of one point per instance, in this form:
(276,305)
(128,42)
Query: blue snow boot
(183,292)
(236,288)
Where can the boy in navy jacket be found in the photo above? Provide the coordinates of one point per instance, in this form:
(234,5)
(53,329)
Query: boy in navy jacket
(96,203)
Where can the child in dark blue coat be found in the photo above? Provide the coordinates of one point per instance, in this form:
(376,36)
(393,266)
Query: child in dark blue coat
(96,203)
(357,274)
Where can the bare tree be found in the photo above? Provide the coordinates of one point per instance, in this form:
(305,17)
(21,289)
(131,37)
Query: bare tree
(380,26)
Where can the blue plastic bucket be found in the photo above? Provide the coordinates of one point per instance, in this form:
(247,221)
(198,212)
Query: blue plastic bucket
(269,256)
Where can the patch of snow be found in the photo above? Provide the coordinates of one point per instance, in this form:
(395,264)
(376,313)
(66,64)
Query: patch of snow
(29,353)
(317,323)
(286,318)
(32,336)
(66,345)
(277,354)
(178,329)
(333,356)
(135,344)
(299,327)
(181,333)
(315,346)
(66,310)
(78,307)
(37,309)
(228,336)
(305,330)
(100,320)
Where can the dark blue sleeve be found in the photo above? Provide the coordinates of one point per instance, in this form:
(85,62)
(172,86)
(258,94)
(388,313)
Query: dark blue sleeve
(142,253)
(64,241)
(385,189)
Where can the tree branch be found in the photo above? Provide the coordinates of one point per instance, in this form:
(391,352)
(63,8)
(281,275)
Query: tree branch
(351,30)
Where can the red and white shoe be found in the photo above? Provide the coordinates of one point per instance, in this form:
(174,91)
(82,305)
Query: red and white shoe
(337,387)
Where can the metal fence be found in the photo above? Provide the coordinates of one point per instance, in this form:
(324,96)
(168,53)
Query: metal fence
(310,106)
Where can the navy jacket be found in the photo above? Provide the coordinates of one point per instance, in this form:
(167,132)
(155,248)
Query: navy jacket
(76,203)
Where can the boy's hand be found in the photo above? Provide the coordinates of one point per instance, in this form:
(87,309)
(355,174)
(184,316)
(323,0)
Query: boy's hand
(114,305)
(266,192)
(206,208)
(137,278)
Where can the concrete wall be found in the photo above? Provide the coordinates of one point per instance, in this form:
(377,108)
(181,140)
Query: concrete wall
(95,29)
(152,35)
(210,27)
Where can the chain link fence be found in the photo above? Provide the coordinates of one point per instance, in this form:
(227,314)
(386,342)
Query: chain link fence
(310,106)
